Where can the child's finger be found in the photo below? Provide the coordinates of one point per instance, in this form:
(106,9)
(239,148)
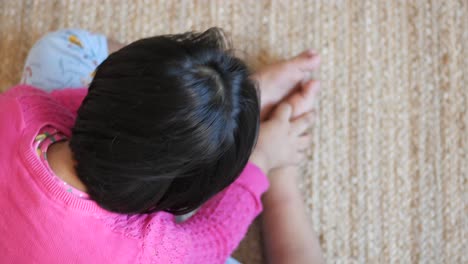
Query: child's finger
(301,124)
(310,89)
(303,99)
(283,112)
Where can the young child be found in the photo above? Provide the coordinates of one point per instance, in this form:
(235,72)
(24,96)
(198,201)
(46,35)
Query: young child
(169,124)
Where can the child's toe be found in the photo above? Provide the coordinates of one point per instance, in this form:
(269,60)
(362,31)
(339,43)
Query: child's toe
(307,60)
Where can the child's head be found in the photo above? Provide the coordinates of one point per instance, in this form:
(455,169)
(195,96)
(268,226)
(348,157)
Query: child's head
(168,122)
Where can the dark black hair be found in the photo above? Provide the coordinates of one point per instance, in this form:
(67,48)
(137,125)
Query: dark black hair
(168,122)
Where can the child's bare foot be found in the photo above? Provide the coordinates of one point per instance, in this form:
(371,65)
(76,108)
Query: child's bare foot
(281,79)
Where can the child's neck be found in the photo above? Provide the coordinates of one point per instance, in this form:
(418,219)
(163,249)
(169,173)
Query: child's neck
(61,162)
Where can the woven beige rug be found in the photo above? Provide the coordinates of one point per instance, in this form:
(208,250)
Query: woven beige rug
(387,176)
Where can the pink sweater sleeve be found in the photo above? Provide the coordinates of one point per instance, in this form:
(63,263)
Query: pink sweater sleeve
(219,226)
(212,234)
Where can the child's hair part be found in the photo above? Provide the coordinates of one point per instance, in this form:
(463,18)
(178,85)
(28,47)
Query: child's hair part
(167,123)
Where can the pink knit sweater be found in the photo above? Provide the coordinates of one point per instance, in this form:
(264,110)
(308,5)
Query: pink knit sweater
(42,223)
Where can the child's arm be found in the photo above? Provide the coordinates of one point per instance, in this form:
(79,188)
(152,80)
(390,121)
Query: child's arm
(212,234)
(218,227)
(287,232)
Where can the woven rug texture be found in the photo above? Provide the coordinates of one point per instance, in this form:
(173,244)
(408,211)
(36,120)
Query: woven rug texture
(387,174)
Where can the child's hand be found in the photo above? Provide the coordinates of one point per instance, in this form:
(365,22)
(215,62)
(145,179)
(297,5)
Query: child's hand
(281,142)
